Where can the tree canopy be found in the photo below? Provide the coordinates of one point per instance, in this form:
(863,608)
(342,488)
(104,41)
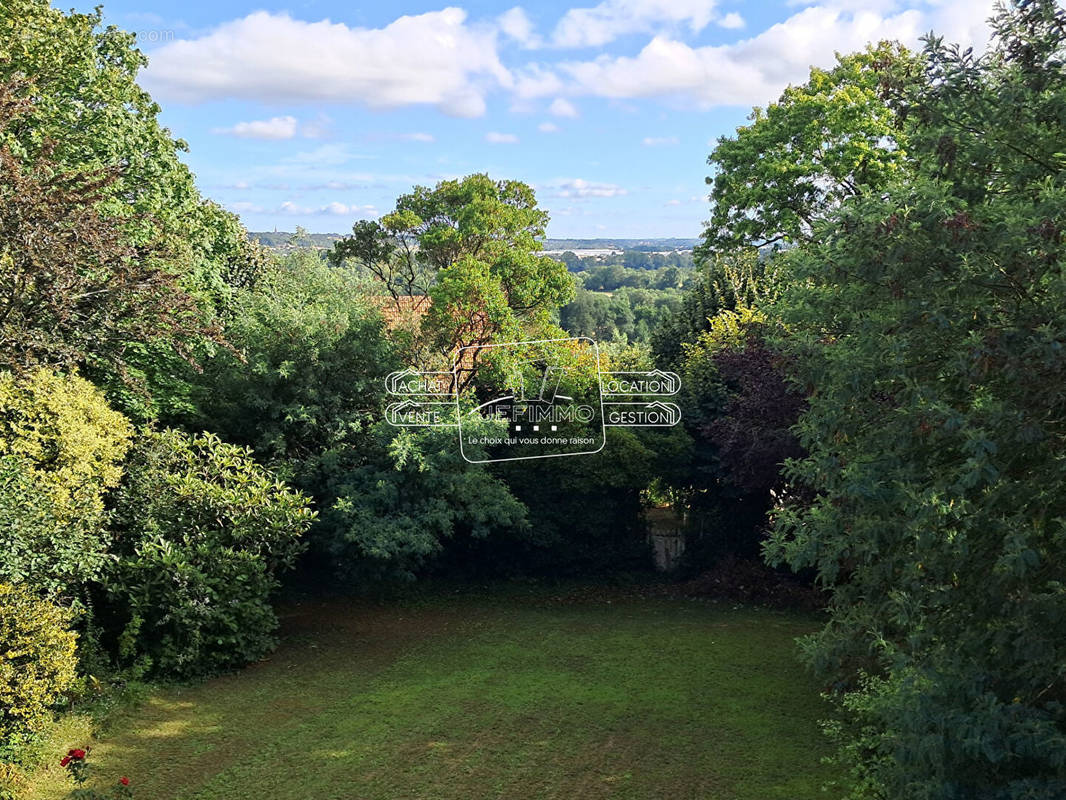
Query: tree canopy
(829,139)
(470,248)
(927,324)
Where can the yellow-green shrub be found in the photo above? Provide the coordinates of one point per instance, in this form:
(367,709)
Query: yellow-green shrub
(61,448)
(12,781)
(63,427)
(37,664)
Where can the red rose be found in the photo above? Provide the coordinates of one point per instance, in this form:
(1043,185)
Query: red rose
(124,781)
(78,753)
(64,761)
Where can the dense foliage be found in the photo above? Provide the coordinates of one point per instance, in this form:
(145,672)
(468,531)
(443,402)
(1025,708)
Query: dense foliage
(470,248)
(630,259)
(404,497)
(586,512)
(754,407)
(36,665)
(724,280)
(125,186)
(630,315)
(307,394)
(202,533)
(61,449)
(870,342)
(307,372)
(930,322)
(829,139)
(609,277)
(73,289)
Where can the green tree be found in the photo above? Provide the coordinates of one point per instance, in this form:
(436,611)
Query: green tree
(726,280)
(307,393)
(929,322)
(89,114)
(74,290)
(832,138)
(396,503)
(307,373)
(470,247)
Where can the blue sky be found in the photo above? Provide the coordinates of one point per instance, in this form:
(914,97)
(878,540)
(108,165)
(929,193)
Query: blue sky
(321,112)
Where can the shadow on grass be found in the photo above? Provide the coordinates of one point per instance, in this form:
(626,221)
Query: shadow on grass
(538,695)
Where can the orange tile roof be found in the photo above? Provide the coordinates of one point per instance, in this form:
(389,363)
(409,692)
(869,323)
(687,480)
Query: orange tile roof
(401,310)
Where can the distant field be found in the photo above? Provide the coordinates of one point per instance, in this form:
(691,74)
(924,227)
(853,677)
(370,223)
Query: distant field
(537,696)
(588,246)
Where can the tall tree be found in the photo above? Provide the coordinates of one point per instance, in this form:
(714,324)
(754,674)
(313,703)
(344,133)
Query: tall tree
(467,250)
(307,393)
(930,322)
(74,290)
(726,280)
(90,114)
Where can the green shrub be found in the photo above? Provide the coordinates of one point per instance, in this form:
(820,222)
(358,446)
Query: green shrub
(398,498)
(37,664)
(202,530)
(308,398)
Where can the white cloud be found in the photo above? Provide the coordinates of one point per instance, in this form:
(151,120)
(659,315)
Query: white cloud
(674,202)
(755,70)
(579,188)
(443,59)
(492,137)
(428,138)
(291,209)
(335,186)
(562,108)
(333,209)
(244,207)
(660,141)
(275,128)
(434,58)
(732,20)
(340,209)
(548,127)
(592,27)
(516,24)
(537,80)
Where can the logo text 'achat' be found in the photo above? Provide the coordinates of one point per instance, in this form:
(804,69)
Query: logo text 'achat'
(542,422)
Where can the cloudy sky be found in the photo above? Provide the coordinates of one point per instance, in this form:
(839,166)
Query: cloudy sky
(320,112)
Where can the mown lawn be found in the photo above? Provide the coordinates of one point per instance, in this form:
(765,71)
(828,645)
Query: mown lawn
(534,695)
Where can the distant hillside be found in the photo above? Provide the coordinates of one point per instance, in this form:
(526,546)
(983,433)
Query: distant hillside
(280,240)
(641,245)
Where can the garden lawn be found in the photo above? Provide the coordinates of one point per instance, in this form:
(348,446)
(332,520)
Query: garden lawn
(516,695)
